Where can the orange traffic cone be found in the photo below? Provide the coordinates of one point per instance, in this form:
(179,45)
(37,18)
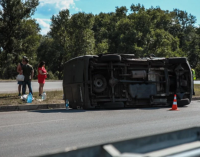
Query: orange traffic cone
(174,106)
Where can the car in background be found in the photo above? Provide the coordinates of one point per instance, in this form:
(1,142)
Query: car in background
(121,80)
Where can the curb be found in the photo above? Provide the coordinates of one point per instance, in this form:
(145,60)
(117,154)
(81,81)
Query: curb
(42,106)
(31,107)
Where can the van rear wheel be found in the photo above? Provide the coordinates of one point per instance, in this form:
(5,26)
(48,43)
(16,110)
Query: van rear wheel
(99,83)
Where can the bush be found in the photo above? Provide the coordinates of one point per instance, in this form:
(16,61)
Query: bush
(9,70)
(56,74)
(197,71)
(51,76)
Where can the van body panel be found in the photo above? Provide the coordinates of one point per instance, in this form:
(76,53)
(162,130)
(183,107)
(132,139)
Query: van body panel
(108,79)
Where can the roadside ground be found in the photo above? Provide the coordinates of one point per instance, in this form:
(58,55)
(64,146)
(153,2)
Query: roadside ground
(53,97)
(12,102)
(197,90)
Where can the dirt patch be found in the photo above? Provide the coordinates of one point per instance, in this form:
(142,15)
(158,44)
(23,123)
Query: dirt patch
(197,89)
(53,97)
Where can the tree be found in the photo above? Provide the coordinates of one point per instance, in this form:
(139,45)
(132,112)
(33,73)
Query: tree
(50,51)
(18,32)
(12,16)
(101,32)
(81,35)
(142,32)
(60,38)
(73,33)
(183,28)
(193,53)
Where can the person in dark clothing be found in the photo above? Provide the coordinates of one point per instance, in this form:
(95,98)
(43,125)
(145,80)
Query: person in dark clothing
(19,70)
(28,73)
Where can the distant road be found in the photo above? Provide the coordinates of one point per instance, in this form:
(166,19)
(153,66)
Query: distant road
(12,87)
(196,82)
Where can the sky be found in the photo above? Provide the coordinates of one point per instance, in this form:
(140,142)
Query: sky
(48,8)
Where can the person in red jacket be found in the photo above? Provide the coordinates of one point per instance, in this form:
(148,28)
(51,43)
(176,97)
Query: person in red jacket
(42,75)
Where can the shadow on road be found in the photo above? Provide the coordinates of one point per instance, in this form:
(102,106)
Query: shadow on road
(159,107)
(71,110)
(102,109)
(57,111)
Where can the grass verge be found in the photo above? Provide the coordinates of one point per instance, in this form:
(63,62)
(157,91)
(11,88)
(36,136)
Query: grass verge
(197,89)
(53,97)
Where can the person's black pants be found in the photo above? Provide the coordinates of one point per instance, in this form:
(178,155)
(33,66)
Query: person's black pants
(29,86)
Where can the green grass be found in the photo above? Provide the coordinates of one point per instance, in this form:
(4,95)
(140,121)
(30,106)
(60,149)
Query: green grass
(197,89)
(53,97)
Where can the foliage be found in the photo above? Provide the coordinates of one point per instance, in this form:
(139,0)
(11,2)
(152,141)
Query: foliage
(141,31)
(51,76)
(18,34)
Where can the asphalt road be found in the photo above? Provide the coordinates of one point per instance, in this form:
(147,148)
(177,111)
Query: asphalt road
(47,131)
(196,82)
(12,87)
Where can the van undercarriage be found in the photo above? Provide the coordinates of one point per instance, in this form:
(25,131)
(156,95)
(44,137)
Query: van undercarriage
(115,81)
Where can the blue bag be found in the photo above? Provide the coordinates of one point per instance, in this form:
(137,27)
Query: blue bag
(30,98)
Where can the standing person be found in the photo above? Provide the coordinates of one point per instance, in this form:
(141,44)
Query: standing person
(42,75)
(194,78)
(28,73)
(193,74)
(19,70)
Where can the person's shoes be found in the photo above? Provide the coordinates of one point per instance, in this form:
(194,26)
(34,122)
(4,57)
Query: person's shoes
(19,94)
(40,94)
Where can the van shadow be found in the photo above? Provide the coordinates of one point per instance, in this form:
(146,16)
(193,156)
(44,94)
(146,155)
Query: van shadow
(158,107)
(63,110)
(57,111)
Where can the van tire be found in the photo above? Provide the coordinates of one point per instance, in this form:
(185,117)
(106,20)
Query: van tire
(183,102)
(177,60)
(99,83)
(110,58)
